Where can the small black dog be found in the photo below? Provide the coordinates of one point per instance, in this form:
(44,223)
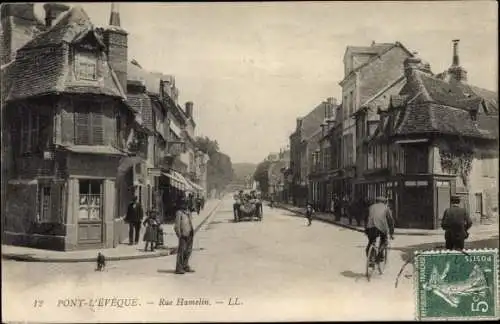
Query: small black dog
(101,262)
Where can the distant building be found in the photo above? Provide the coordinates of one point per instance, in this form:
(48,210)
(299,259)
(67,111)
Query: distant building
(303,143)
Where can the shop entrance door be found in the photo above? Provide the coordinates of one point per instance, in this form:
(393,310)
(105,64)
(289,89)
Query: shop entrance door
(90,212)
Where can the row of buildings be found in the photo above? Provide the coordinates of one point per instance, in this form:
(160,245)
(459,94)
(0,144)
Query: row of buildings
(400,131)
(85,128)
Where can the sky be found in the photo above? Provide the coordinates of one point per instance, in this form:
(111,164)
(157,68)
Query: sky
(252,68)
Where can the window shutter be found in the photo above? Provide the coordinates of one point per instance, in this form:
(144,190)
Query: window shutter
(82,123)
(97,126)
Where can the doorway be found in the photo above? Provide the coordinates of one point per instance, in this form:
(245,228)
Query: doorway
(90,211)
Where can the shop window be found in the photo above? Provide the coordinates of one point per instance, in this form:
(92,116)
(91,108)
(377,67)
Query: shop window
(91,193)
(43,204)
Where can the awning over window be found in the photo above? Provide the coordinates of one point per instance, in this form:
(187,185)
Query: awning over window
(178,181)
(174,181)
(195,186)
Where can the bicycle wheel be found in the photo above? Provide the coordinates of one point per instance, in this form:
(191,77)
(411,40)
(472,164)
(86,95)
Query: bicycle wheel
(382,264)
(370,261)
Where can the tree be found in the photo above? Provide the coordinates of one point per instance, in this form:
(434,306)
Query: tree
(219,167)
(261,176)
(206,145)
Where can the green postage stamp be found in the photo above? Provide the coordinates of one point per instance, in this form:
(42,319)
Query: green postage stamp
(457,285)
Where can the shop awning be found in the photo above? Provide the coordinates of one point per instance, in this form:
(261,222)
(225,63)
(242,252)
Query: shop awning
(174,181)
(186,185)
(195,185)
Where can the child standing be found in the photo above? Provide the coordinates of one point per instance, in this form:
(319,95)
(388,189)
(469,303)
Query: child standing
(309,213)
(150,236)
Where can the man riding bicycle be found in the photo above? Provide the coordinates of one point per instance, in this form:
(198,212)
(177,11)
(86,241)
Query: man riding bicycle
(380,223)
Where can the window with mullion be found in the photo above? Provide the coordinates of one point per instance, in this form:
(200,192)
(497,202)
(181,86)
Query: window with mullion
(89,128)
(30,136)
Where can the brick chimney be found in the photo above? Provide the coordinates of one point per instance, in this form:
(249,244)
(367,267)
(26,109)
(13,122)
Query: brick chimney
(411,63)
(189,109)
(53,11)
(116,40)
(13,16)
(456,71)
(299,123)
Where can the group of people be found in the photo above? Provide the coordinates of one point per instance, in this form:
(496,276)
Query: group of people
(196,203)
(241,198)
(380,223)
(153,235)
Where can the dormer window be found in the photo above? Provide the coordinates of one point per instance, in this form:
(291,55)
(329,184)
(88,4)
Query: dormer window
(473,115)
(86,66)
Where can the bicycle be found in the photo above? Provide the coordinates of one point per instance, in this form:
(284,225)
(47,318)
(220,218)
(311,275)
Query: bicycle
(375,255)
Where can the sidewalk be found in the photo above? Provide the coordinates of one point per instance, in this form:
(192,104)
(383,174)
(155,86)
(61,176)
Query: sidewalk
(479,229)
(121,252)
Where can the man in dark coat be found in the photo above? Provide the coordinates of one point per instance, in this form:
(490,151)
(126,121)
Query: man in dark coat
(134,218)
(456,223)
(185,232)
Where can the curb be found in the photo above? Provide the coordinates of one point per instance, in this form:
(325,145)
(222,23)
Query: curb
(356,229)
(167,252)
(323,220)
(351,227)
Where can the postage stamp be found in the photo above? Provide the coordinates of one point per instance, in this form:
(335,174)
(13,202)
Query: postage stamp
(457,285)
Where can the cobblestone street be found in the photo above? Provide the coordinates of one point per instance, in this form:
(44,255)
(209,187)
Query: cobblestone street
(277,268)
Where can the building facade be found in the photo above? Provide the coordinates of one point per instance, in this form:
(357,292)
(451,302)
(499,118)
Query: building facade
(85,129)
(303,143)
(326,160)
(68,124)
(437,138)
(367,71)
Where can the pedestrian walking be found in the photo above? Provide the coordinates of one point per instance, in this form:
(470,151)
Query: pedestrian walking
(456,222)
(332,205)
(185,232)
(191,202)
(134,218)
(202,202)
(309,214)
(198,204)
(151,233)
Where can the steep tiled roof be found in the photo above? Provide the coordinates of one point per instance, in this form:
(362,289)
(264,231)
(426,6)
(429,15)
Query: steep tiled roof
(453,94)
(490,98)
(435,118)
(142,105)
(41,66)
(73,24)
(435,105)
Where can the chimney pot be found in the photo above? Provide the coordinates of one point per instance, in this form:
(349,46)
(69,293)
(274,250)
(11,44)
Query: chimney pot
(189,108)
(52,11)
(456,71)
(456,60)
